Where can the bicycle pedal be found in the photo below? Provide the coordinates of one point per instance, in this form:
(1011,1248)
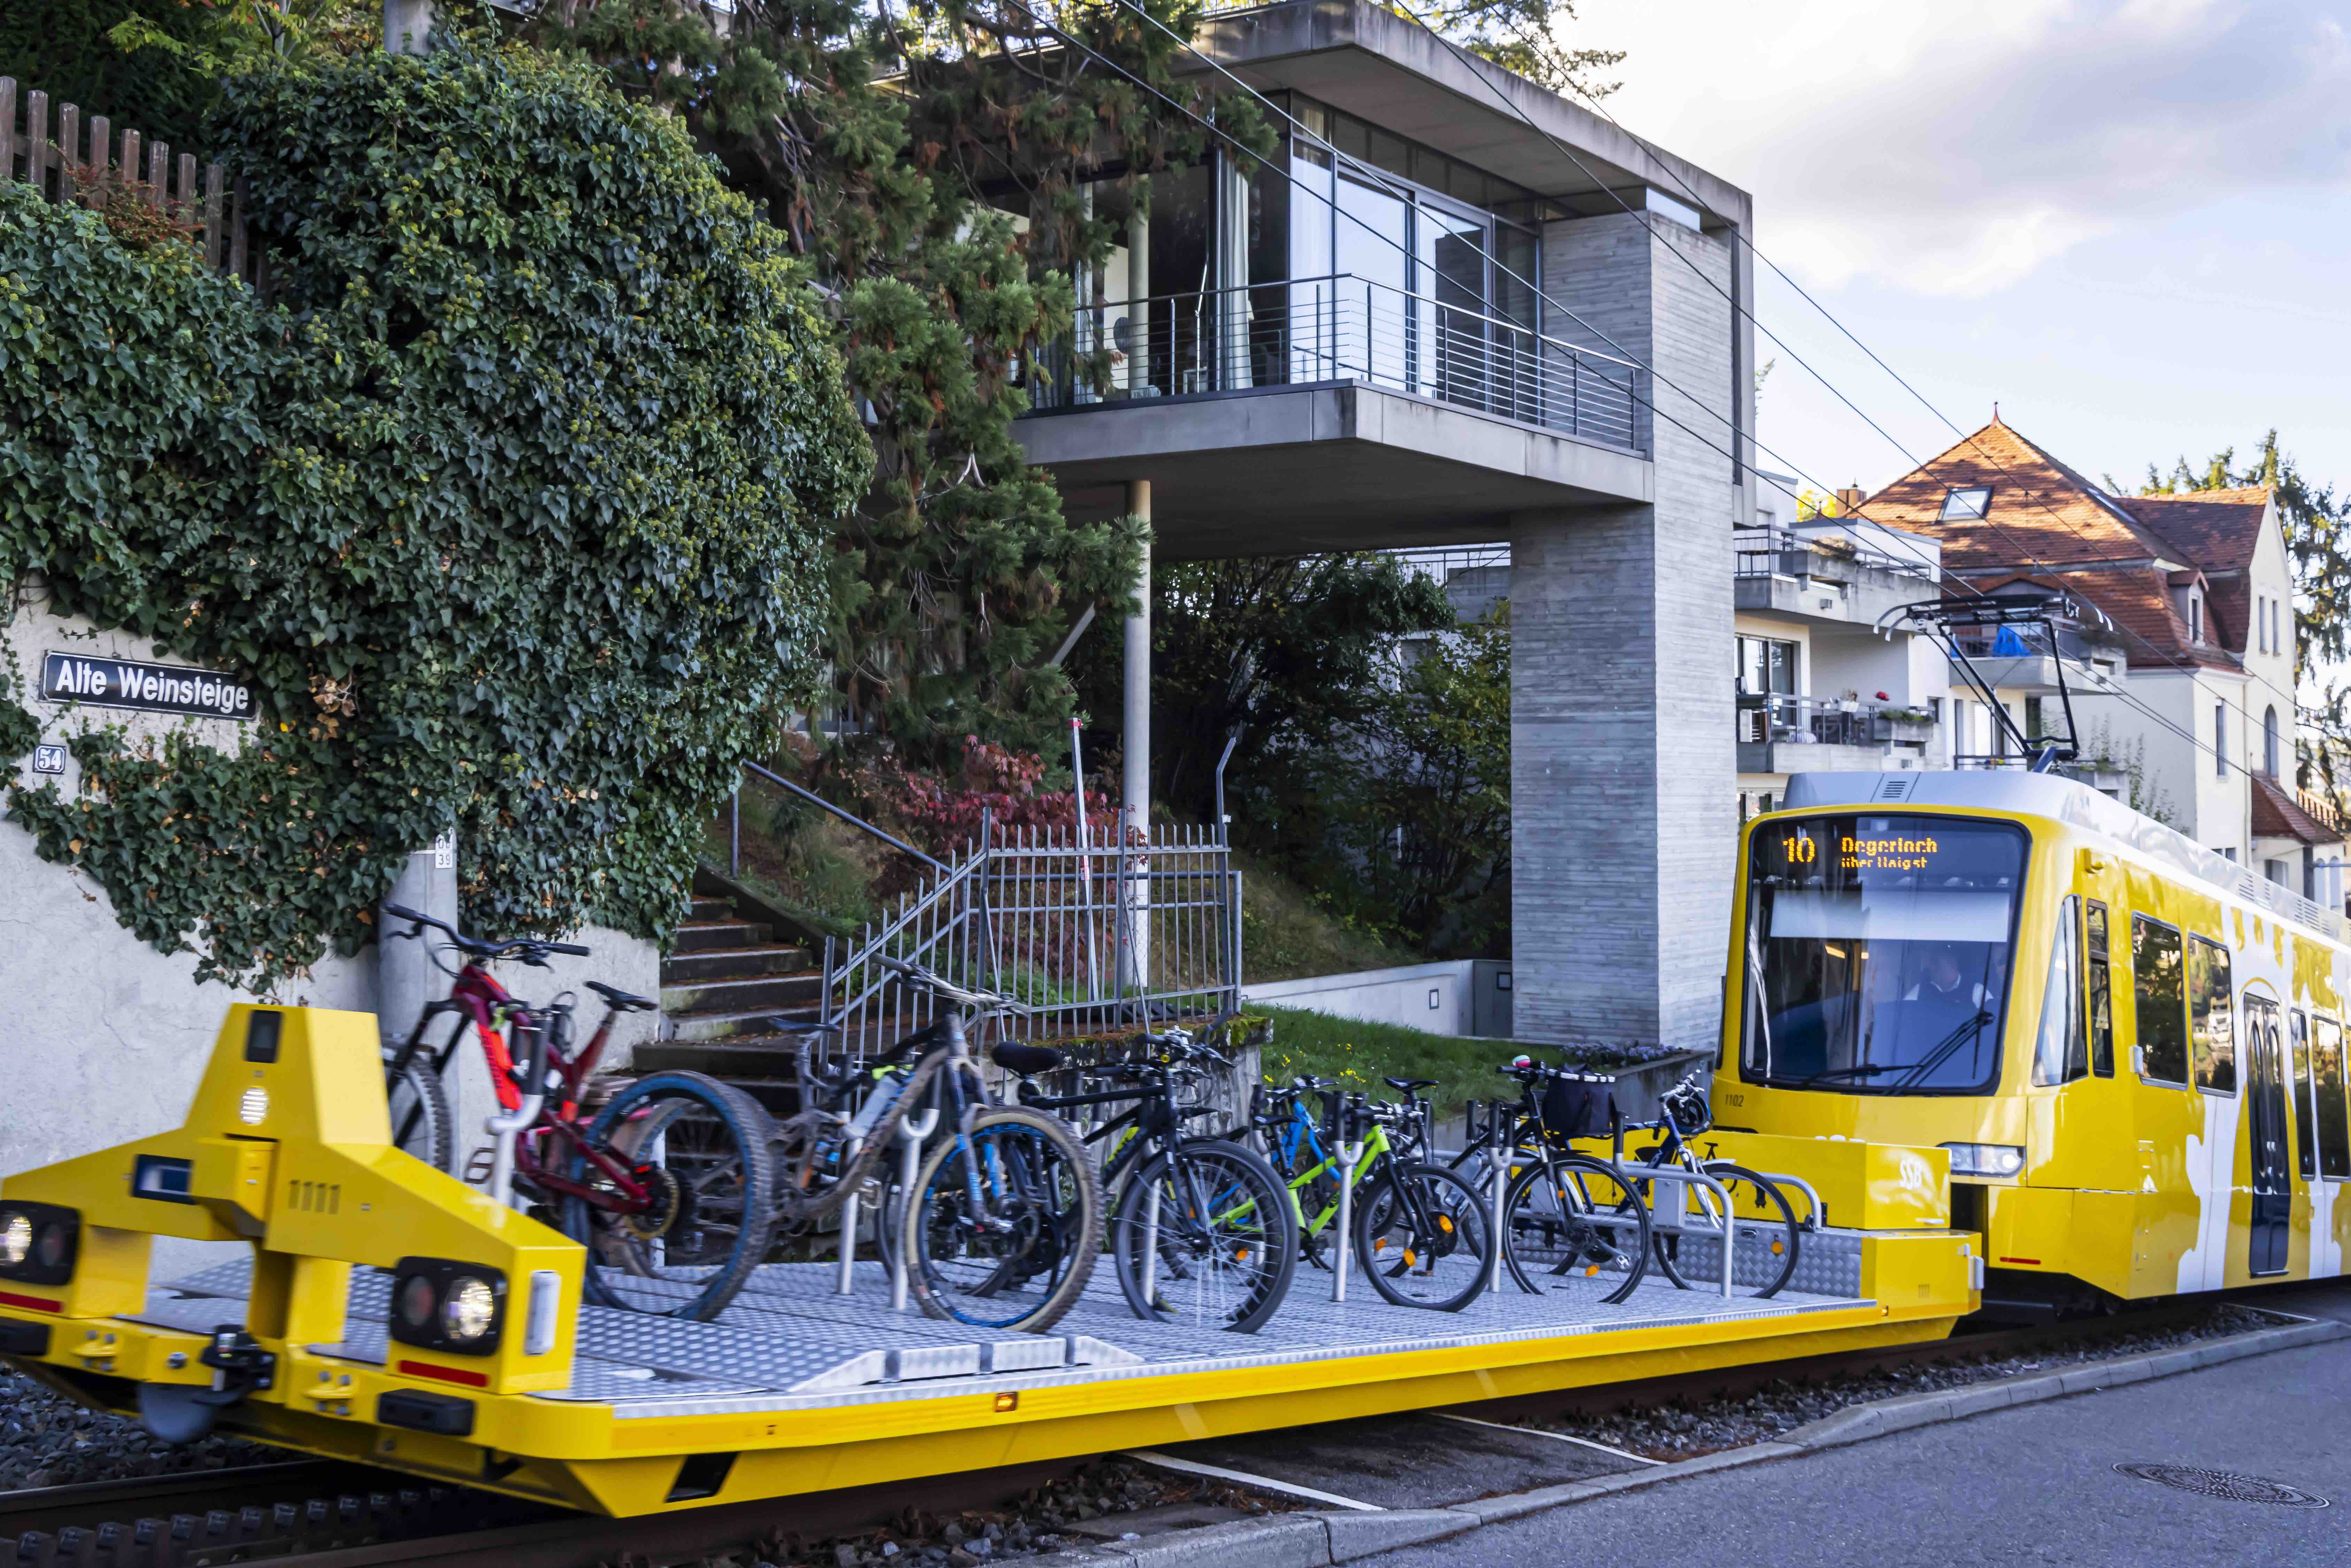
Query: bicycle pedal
(478,1165)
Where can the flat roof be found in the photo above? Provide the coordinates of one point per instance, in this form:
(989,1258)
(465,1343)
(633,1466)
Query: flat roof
(1380,67)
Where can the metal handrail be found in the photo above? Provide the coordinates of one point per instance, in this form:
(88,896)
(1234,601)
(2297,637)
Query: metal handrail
(735,821)
(1457,311)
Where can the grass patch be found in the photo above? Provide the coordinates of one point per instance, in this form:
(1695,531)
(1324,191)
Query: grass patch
(1358,1054)
(1287,935)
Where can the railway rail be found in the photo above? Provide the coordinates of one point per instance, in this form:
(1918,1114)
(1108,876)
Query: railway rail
(336,1515)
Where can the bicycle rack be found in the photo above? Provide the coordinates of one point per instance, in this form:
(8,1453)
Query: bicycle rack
(1687,1178)
(1350,1144)
(910,1152)
(1498,1155)
(846,1284)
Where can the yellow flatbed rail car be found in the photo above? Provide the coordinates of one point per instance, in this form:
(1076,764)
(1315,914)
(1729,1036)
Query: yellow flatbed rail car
(797,1387)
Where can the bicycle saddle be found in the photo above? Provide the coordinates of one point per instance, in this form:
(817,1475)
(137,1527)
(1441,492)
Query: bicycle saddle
(621,1000)
(1406,1085)
(1025,1060)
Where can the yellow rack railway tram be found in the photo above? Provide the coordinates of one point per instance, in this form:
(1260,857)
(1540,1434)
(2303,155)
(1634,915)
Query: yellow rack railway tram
(2131,1046)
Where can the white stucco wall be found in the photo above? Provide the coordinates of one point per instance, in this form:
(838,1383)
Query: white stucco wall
(103,1038)
(1431,997)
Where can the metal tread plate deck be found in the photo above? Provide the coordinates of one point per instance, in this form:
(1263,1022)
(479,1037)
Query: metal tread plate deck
(790,1343)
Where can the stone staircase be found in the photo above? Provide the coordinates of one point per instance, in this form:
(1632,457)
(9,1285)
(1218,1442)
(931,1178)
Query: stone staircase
(728,977)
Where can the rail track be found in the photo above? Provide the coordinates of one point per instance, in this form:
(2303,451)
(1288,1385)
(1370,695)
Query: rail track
(334,1515)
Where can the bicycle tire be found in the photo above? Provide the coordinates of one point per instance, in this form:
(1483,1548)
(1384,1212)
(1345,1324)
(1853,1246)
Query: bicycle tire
(417,1101)
(1064,1243)
(1768,1198)
(732,1172)
(1579,1238)
(1400,1239)
(1237,1182)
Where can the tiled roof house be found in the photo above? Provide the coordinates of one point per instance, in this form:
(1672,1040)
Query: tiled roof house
(2198,589)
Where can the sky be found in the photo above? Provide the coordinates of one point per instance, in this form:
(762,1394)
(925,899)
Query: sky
(2124,221)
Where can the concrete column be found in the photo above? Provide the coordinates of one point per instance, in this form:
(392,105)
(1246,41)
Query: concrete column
(405,25)
(1624,763)
(1134,813)
(408,980)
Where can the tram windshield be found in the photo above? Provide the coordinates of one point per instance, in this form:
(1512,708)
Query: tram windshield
(1878,953)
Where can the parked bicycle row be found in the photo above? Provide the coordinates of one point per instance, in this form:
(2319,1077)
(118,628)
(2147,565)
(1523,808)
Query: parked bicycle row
(990,1199)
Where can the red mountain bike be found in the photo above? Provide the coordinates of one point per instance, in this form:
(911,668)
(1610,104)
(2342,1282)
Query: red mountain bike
(670,1189)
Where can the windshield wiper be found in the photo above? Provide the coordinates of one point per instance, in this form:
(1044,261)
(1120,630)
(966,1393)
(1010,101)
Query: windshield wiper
(1864,1070)
(1943,1051)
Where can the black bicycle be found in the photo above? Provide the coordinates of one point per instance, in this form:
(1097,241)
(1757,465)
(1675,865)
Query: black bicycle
(1201,1233)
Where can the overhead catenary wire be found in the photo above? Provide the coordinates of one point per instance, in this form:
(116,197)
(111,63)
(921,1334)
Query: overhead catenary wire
(1071,41)
(1741,238)
(1742,309)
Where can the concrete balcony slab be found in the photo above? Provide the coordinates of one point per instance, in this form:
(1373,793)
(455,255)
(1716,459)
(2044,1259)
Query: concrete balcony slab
(1788,757)
(1336,465)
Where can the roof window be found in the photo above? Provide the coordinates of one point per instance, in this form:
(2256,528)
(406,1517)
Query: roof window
(1973,502)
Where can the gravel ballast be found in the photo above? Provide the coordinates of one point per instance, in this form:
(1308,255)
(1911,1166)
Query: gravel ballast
(48,1440)
(1683,1430)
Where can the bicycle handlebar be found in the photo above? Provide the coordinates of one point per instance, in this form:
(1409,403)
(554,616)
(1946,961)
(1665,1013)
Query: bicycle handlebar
(530,950)
(931,980)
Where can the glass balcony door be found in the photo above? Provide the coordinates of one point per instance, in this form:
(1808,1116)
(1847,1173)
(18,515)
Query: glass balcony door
(1451,349)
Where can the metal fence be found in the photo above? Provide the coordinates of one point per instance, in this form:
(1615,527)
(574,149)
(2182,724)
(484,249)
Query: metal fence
(1099,938)
(1788,718)
(70,157)
(1342,327)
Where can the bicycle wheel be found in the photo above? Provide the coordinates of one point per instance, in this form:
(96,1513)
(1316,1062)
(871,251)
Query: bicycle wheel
(702,1149)
(1004,1222)
(1763,1255)
(1421,1238)
(421,1123)
(1227,1243)
(1571,1222)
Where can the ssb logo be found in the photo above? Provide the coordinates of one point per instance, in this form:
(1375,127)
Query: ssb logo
(49,759)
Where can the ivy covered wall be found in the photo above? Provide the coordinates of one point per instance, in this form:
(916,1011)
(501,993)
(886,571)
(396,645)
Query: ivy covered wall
(511,502)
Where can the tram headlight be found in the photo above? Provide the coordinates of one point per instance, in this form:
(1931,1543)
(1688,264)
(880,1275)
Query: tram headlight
(1985,1159)
(438,1303)
(37,1242)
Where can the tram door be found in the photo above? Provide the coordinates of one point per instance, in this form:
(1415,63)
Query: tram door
(2273,1209)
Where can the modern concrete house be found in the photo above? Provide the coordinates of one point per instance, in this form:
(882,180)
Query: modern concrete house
(1459,308)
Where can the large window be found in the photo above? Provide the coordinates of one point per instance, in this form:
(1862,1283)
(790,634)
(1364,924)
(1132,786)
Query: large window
(2211,1016)
(1878,953)
(2159,999)
(2099,972)
(2062,1053)
(2334,1112)
(1766,664)
(2305,1103)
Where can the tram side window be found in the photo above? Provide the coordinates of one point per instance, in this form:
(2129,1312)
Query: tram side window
(2099,975)
(2211,1016)
(2334,1116)
(2305,1107)
(2063,1054)
(2159,991)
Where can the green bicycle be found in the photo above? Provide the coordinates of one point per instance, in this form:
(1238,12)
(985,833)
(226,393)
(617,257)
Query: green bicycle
(1421,1232)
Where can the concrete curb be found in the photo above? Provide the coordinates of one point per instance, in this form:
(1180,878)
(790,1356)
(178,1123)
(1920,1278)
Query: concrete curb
(1317,1540)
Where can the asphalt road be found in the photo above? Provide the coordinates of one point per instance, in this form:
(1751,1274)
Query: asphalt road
(2034,1485)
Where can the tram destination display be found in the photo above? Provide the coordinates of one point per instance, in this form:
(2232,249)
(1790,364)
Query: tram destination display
(144,687)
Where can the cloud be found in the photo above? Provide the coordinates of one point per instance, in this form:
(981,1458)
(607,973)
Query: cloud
(1954,149)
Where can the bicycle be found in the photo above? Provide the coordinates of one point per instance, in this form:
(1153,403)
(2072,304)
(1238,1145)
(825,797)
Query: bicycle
(1003,1219)
(1420,1231)
(1757,1205)
(1568,1217)
(667,1189)
(1203,1231)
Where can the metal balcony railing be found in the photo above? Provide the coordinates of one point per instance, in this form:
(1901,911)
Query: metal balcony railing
(1761,552)
(1341,328)
(1783,718)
